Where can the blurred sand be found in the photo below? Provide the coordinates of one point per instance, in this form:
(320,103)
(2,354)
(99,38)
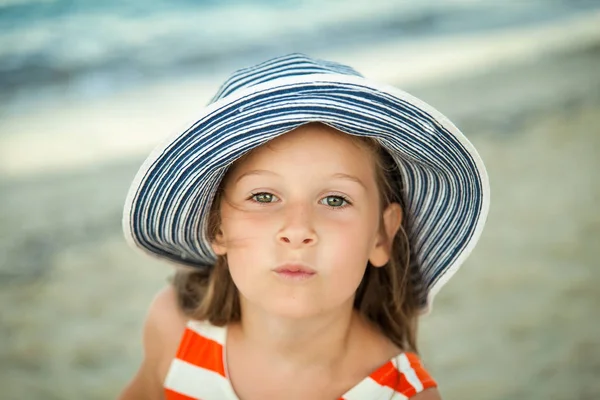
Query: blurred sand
(519,321)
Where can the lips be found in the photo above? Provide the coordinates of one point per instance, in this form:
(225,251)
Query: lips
(296,272)
(295,268)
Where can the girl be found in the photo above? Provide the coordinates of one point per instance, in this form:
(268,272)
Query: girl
(318,213)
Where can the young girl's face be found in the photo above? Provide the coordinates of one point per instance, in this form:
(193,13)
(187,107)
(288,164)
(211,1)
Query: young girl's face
(300,219)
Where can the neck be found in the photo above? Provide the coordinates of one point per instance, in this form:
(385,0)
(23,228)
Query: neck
(322,340)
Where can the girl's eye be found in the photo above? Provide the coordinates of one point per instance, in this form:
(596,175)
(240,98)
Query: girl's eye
(264,197)
(334,201)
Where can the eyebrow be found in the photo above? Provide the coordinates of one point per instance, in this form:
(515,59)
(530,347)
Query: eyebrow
(256,172)
(352,178)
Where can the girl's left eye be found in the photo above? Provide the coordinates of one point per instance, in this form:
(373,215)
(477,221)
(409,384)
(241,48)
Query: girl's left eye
(334,201)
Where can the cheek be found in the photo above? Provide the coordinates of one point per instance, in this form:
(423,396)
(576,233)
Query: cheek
(346,247)
(248,239)
(243,230)
(351,235)
(347,279)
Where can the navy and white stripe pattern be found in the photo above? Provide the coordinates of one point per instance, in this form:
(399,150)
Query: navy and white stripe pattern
(446,189)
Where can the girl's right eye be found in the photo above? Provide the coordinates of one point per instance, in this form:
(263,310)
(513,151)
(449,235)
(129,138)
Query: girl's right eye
(264,197)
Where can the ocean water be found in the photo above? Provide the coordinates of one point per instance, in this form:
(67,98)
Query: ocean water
(56,48)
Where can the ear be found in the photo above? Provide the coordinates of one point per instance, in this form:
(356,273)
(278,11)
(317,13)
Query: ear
(218,244)
(392,219)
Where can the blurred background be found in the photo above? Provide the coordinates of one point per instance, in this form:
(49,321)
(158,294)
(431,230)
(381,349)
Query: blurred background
(87,88)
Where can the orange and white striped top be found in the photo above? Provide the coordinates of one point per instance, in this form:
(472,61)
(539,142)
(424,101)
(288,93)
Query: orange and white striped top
(198,371)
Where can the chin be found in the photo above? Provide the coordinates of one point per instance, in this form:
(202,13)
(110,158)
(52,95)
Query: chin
(290,308)
(293,310)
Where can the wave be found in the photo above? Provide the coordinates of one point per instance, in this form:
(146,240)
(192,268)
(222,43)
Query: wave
(93,47)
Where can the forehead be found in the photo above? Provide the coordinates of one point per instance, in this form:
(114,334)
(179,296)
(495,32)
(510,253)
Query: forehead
(309,144)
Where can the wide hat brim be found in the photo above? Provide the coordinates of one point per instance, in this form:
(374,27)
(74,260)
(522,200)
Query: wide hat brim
(446,190)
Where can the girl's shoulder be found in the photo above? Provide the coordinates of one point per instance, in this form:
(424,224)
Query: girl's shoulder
(394,368)
(406,374)
(163,329)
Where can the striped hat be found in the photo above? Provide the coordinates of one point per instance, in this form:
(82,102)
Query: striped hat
(445,185)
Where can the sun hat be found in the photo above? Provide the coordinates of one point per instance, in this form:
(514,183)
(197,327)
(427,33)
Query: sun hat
(445,193)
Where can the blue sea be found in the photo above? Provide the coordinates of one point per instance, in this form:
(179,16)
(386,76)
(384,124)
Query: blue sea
(88,48)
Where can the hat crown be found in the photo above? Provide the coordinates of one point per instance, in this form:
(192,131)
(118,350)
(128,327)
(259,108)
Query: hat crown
(295,64)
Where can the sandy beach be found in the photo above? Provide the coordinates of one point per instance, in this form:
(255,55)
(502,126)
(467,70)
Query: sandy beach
(520,320)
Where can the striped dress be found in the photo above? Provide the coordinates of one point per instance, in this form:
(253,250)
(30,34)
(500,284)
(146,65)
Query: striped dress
(198,371)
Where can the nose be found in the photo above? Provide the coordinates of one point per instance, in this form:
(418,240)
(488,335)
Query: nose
(297,229)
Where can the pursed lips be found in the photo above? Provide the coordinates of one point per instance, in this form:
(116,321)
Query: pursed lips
(294,271)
